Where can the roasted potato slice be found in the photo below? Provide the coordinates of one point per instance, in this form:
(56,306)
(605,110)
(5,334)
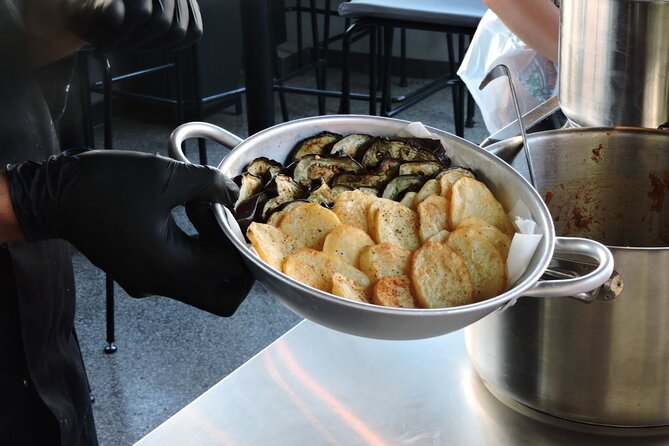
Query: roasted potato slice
(440,236)
(348,288)
(484,262)
(500,240)
(347,241)
(272,245)
(391,222)
(351,208)
(431,187)
(309,224)
(393,291)
(448,177)
(432,216)
(472,197)
(311,267)
(383,260)
(440,277)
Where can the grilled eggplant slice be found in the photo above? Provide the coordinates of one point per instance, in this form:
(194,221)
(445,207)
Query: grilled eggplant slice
(264,168)
(319,144)
(322,194)
(352,145)
(281,189)
(336,190)
(314,167)
(384,148)
(249,185)
(401,184)
(425,168)
(386,171)
(285,186)
(370,190)
(250,210)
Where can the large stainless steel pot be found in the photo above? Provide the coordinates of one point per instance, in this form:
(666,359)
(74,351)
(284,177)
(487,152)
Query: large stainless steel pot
(614,62)
(608,362)
(384,322)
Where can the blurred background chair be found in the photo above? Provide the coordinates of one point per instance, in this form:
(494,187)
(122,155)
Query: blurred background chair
(380,19)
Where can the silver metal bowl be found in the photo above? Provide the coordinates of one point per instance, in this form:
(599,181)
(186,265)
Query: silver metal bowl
(374,321)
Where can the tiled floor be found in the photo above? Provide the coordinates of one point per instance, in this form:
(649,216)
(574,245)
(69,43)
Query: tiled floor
(169,353)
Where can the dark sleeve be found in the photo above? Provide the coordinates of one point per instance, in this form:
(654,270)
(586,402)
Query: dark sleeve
(13,48)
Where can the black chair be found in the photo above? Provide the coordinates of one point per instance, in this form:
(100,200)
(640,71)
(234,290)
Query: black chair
(380,18)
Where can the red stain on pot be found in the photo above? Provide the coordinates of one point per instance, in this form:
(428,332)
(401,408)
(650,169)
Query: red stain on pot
(597,153)
(658,190)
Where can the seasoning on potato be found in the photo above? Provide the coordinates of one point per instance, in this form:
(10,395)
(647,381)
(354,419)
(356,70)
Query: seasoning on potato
(439,240)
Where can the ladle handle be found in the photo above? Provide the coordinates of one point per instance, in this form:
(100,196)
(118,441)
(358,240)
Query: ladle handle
(199,130)
(578,287)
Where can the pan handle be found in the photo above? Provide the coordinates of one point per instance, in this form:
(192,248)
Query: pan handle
(199,130)
(580,288)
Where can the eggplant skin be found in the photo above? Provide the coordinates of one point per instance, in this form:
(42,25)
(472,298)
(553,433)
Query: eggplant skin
(319,144)
(264,168)
(250,210)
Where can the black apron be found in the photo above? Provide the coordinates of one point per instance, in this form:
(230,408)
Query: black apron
(43,387)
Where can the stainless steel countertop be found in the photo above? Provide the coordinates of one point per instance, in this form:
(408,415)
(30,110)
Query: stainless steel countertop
(316,386)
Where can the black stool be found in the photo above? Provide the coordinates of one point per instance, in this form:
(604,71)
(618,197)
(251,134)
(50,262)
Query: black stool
(376,17)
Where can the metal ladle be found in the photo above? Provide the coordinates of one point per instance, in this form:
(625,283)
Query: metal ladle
(499,71)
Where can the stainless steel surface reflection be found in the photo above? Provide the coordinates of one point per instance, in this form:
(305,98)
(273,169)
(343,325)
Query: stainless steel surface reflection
(316,386)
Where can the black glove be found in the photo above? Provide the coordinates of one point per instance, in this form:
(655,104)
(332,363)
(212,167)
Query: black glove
(135,24)
(115,207)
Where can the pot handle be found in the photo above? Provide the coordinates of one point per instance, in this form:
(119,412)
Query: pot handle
(199,130)
(579,288)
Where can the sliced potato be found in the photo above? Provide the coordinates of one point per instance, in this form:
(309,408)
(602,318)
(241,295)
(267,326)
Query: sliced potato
(484,262)
(348,288)
(351,208)
(448,177)
(440,236)
(431,187)
(393,291)
(500,240)
(472,197)
(272,245)
(440,277)
(309,224)
(432,216)
(347,241)
(392,222)
(311,267)
(275,218)
(383,260)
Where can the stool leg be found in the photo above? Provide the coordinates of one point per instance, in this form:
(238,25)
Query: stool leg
(403,58)
(455,89)
(317,57)
(345,101)
(388,37)
(373,67)
(109,283)
(199,115)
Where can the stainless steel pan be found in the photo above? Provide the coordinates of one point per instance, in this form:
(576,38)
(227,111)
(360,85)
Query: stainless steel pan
(605,363)
(383,322)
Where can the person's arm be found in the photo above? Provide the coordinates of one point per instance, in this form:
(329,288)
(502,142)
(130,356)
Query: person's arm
(10,231)
(535,22)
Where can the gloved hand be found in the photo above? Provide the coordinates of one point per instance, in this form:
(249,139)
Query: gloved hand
(134,24)
(115,207)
